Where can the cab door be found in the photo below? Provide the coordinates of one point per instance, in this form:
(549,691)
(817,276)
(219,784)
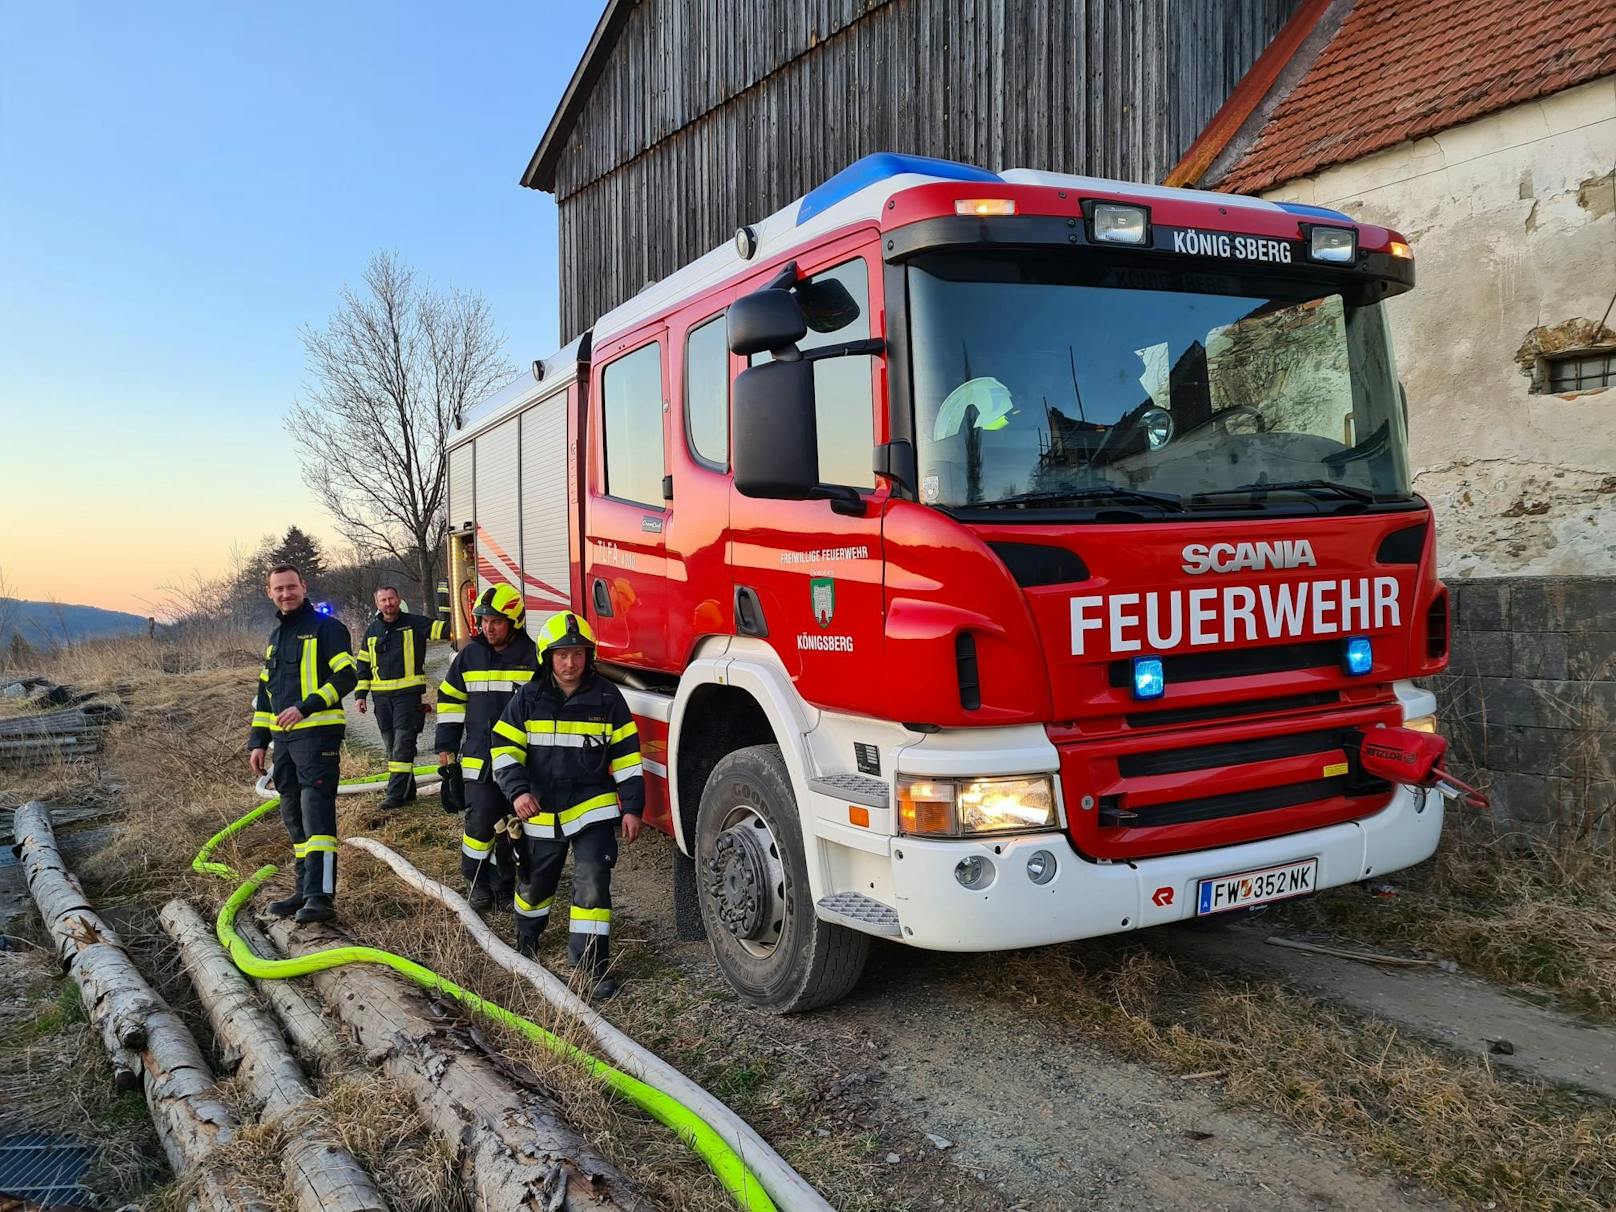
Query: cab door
(808,575)
(624,565)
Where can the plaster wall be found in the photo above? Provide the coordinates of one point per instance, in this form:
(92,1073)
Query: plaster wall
(1513,223)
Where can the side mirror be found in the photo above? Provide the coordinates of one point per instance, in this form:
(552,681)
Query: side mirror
(775,441)
(764,321)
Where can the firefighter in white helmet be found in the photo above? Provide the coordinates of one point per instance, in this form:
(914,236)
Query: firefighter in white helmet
(567,754)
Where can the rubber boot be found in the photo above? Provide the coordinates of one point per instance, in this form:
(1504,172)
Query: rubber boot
(528,932)
(317,908)
(289,905)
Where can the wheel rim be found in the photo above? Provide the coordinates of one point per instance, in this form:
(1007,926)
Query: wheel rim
(746,881)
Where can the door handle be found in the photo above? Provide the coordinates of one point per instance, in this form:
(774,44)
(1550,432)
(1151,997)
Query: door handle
(749,618)
(602,599)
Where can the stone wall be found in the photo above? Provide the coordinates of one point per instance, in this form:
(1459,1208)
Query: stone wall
(1512,219)
(1529,701)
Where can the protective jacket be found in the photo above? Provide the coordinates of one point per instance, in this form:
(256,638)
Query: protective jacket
(579,756)
(392,656)
(479,684)
(307,665)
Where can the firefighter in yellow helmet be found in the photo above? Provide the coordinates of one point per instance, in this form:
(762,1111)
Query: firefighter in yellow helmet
(499,661)
(567,753)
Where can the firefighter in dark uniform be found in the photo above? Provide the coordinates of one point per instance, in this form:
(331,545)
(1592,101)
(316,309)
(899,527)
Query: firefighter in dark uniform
(392,668)
(307,669)
(498,661)
(567,753)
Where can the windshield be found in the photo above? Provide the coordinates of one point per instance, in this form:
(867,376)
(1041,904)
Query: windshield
(1055,380)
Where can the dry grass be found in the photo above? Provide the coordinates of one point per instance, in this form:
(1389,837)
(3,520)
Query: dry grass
(55,1078)
(1454,1124)
(1506,908)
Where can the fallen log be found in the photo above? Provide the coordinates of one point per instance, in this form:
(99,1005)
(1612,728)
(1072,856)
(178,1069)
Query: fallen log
(514,1154)
(140,1030)
(314,1037)
(789,1190)
(321,1174)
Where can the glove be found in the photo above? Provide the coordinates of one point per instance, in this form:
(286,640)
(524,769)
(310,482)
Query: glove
(511,826)
(452,791)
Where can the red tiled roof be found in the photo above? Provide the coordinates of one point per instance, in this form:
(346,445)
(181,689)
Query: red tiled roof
(1400,69)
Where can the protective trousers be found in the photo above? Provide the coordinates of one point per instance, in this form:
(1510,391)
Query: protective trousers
(539,864)
(398,715)
(306,769)
(486,859)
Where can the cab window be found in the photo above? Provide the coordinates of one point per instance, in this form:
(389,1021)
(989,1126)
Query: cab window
(631,403)
(707,392)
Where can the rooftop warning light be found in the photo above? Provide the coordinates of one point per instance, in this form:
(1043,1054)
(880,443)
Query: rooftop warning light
(984,206)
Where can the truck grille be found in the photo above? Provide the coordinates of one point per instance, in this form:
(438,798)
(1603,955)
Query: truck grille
(1237,662)
(1228,753)
(1243,803)
(1224,711)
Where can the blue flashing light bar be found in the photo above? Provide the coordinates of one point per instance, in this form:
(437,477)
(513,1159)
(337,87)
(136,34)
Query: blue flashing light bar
(1149,682)
(866,172)
(322,607)
(1360,656)
(1314,212)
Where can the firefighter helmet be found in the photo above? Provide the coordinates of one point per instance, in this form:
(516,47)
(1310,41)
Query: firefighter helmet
(564,630)
(502,601)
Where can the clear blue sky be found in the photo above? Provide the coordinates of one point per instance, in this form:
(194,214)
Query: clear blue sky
(184,186)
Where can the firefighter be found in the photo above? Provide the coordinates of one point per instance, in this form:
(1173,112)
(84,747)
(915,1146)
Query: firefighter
(485,673)
(392,667)
(307,669)
(568,757)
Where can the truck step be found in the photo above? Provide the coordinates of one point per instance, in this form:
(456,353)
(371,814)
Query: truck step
(860,912)
(859,788)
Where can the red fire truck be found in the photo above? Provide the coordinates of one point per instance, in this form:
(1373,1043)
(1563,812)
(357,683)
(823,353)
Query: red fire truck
(991,559)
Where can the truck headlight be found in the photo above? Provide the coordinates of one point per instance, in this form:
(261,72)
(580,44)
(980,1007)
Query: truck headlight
(956,807)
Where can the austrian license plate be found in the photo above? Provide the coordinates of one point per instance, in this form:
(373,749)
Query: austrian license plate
(1257,887)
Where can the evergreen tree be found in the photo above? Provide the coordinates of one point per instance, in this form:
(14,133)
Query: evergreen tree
(301,550)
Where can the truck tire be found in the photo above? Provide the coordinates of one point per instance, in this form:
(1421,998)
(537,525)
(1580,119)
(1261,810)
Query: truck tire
(755,901)
(687,923)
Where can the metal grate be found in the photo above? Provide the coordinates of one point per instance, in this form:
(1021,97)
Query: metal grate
(1583,372)
(859,788)
(1238,662)
(45,1170)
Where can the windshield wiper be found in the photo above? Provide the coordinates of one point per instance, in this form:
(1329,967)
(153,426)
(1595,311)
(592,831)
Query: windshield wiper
(1092,492)
(1314,487)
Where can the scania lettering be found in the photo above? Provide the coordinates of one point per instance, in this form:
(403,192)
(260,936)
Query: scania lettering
(990,559)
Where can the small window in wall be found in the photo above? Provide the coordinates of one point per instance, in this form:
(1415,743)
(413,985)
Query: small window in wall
(707,392)
(631,400)
(1581,372)
(837,305)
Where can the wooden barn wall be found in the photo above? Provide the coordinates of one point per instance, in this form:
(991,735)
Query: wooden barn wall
(666,163)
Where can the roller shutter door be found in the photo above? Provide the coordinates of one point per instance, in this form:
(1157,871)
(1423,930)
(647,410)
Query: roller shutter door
(545,558)
(499,536)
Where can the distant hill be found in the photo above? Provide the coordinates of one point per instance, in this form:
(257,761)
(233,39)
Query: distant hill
(48,624)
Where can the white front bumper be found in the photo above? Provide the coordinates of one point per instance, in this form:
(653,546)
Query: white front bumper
(1089,899)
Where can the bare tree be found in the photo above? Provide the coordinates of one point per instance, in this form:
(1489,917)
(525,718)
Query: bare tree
(398,362)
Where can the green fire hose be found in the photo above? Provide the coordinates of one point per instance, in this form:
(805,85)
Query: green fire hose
(737,1178)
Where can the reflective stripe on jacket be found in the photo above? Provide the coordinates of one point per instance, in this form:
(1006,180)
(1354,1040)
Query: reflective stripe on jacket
(392,656)
(578,756)
(474,692)
(307,665)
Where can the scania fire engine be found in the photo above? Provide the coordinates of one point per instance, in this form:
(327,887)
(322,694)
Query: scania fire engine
(990,559)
